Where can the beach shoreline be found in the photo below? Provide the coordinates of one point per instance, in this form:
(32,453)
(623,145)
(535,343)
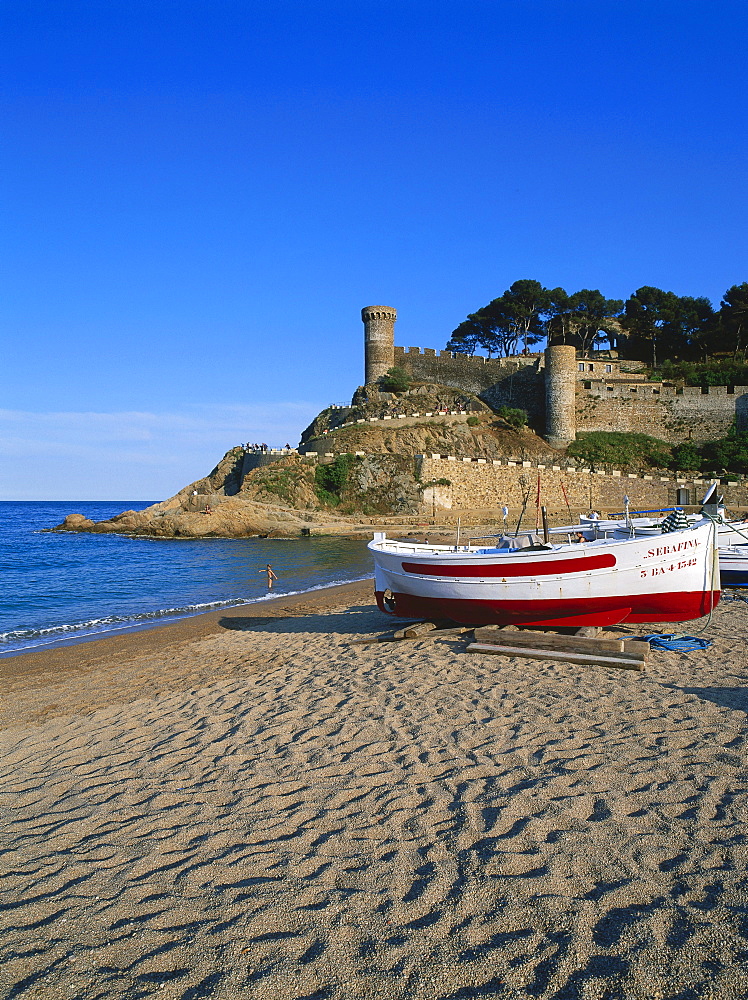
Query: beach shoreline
(250,804)
(73,638)
(137,639)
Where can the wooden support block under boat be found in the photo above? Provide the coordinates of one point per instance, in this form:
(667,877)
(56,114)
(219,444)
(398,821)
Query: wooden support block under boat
(433,633)
(442,633)
(625,661)
(411,631)
(562,643)
(419,629)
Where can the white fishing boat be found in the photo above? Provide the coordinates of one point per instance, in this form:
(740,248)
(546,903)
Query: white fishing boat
(604,580)
(733,565)
(732,533)
(729,532)
(649,522)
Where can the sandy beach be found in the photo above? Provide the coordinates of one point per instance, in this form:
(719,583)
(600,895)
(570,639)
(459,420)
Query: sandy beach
(246,804)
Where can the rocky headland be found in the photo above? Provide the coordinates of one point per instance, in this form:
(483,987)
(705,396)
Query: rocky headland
(300,494)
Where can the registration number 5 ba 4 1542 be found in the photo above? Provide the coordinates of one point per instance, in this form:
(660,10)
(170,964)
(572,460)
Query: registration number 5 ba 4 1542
(659,570)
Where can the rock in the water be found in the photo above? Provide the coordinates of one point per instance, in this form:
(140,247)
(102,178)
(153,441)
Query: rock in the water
(76,522)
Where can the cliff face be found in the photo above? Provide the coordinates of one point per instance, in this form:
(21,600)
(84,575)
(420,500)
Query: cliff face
(425,419)
(490,438)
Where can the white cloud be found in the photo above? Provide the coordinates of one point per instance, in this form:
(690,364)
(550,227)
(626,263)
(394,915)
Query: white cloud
(132,455)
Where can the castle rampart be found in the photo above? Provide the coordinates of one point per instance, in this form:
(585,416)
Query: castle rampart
(497,381)
(477,484)
(666,412)
(480,484)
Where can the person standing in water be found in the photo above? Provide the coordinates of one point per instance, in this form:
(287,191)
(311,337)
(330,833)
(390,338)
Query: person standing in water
(270,574)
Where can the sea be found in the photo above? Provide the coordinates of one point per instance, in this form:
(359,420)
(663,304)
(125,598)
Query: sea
(57,589)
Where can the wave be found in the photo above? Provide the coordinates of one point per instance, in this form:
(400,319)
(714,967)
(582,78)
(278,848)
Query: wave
(23,638)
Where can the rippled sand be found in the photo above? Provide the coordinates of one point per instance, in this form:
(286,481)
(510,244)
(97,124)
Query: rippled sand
(253,807)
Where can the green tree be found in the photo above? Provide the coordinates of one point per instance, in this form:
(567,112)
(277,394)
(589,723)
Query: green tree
(526,301)
(471,333)
(733,316)
(692,327)
(513,416)
(495,328)
(593,313)
(559,316)
(647,312)
(675,326)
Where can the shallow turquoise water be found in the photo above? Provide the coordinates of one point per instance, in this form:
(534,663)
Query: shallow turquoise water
(67,587)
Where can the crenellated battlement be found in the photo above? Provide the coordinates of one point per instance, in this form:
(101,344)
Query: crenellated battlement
(406,354)
(665,391)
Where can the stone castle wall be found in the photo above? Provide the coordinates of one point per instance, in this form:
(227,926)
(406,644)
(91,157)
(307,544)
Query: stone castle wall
(664,412)
(488,485)
(610,395)
(497,381)
(462,484)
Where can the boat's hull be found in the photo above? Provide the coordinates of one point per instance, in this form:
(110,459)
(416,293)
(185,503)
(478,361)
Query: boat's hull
(675,607)
(671,580)
(733,566)
(732,533)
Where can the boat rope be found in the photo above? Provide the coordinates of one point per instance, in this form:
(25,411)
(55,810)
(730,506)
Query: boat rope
(741,533)
(714,565)
(674,641)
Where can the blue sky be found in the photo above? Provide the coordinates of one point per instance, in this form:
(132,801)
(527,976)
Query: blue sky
(199,197)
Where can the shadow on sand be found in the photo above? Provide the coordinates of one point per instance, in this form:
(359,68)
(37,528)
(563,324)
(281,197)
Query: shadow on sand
(735,698)
(353,621)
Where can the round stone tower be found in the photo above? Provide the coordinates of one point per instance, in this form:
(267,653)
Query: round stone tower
(379,341)
(560,395)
